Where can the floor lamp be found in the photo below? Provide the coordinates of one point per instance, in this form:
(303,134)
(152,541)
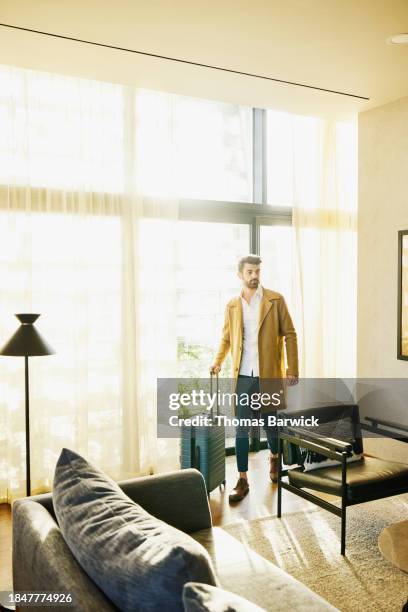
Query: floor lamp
(27,342)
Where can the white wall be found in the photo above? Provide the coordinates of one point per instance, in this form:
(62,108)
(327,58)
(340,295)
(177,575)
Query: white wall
(383,210)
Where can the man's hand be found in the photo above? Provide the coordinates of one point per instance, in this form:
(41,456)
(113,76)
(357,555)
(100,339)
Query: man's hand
(292,380)
(214,369)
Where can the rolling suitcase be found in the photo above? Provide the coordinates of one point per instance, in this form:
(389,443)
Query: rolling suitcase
(203,448)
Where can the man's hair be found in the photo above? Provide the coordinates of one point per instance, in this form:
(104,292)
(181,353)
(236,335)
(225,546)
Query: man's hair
(248,259)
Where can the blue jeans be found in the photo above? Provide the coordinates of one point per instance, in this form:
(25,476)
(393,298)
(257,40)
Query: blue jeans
(249,385)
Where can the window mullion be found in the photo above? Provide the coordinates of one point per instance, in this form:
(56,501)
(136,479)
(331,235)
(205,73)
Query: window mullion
(259,156)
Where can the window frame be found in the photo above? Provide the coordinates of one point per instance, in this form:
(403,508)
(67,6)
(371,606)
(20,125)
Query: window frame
(255,213)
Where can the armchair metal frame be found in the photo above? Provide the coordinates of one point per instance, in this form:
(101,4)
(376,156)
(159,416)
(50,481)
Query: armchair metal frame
(339,451)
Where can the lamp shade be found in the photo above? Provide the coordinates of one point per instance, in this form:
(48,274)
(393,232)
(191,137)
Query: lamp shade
(27,341)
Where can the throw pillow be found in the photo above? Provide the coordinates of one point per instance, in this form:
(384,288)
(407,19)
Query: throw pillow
(205,598)
(137,560)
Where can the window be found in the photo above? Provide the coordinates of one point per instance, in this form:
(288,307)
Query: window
(229,167)
(215,172)
(213,144)
(206,280)
(279,143)
(62,150)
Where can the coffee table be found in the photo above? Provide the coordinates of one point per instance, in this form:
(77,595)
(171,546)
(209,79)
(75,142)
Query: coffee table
(393,544)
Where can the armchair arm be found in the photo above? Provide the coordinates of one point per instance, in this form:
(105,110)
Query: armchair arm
(177,498)
(373,427)
(318,445)
(330,443)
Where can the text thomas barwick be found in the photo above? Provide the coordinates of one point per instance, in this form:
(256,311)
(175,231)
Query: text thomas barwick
(201,420)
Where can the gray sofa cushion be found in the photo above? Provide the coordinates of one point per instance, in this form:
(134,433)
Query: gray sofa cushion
(205,598)
(242,571)
(138,561)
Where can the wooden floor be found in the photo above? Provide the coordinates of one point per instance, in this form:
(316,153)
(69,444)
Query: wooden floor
(260,501)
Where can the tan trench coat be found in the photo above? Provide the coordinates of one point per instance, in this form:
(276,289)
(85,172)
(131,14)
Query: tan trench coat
(275,324)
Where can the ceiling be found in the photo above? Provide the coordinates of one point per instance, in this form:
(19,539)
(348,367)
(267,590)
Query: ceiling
(331,44)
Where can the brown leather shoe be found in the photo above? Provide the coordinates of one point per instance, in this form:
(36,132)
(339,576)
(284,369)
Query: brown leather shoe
(241,489)
(273,468)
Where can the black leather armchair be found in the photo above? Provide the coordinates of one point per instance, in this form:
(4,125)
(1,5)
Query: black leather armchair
(366,479)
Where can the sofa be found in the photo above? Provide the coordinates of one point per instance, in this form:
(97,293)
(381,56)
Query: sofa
(42,560)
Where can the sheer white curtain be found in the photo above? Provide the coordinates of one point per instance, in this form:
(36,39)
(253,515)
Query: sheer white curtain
(325,222)
(312,167)
(80,245)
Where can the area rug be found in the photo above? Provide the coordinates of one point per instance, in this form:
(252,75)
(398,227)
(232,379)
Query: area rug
(307,546)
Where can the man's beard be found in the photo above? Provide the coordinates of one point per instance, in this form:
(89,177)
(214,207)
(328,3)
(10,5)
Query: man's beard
(252,283)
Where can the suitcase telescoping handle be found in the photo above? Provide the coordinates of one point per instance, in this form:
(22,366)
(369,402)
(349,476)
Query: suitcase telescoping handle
(216,392)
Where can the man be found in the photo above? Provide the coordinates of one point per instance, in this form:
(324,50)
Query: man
(255,324)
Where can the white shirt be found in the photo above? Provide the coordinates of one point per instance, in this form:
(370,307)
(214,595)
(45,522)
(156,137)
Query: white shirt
(250,355)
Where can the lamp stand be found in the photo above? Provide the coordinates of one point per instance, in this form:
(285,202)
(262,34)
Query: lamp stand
(27,427)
